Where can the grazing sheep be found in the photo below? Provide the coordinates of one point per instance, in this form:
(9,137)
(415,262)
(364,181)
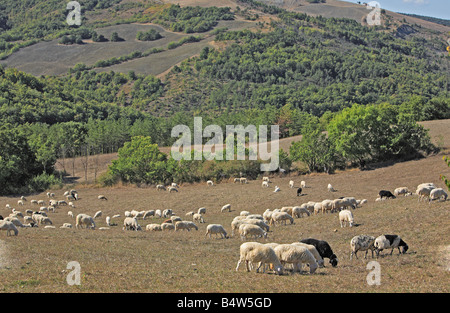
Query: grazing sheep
(160,187)
(8,227)
(158,213)
(313,251)
(14,220)
(226,207)
(20,202)
(291,184)
(108,220)
(86,220)
(265,178)
(424,192)
(323,248)
(210,183)
(243,180)
(116,216)
(309,206)
(267,215)
(299,191)
(167,213)
(167,226)
(296,255)
(254,252)
(148,214)
(303,184)
(216,229)
(330,188)
(401,191)
(153,227)
(438,194)
(41,202)
(251,230)
(244,213)
(327,205)
(277,189)
(198,218)
(281,217)
(175,218)
(287,209)
(346,217)
(265,184)
(362,243)
(175,185)
(201,211)
(102,197)
(299,211)
(386,194)
(97,214)
(258,222)
(390,242)
(341,204)
(131,223)
(171,188)
(185,225)
(236,180)
(66,225)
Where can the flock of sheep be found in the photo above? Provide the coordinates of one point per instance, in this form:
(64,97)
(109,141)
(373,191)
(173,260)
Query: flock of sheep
(273,256)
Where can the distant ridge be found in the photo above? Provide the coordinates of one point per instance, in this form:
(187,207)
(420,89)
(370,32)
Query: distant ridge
(430,19)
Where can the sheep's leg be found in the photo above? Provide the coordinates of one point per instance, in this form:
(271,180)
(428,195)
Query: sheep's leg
(238,264)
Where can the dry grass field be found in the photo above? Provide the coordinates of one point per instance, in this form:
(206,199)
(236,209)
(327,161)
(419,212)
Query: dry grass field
(115,260)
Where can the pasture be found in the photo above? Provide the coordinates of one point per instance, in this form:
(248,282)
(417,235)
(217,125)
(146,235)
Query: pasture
(115,260)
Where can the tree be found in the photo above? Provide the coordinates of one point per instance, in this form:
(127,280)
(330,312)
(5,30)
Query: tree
(443,177)
(140,161)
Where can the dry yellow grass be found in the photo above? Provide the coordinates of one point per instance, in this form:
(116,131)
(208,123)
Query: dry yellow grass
(126,261)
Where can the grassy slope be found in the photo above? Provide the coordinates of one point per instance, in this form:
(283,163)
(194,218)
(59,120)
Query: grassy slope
(118,261)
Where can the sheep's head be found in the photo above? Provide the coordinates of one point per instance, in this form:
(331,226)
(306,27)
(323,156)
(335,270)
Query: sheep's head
(278,270)
(334,260)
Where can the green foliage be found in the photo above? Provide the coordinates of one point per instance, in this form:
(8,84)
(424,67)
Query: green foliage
(140,161)
(444,178)
(149,35)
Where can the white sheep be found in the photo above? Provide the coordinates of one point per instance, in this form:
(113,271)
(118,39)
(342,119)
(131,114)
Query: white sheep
(158,213)
(66,225)
(251,230)
(153,227)
(70,213)
(131,223)
(167,213)
(287,209)
(342,204)
(244,213)
(14,220)
(277,189)
(108,220)
(185,225)
(265,184)
(401,191)
(148,214)
(98,214)
(198,218)
(175,185)
(299,211)
(303,184)
(20,202)
(424,192)
(8,227)
(210,183)
(116,216)
(291,184)
(171,188)
(84,219)
(243,180)
(438,194)
(254,252)
(281,217)
(266,178)
(216,229)
(201,211)
(267,215)
(167,226)
(226,207)
(258,222)
(160,187)
(296,255)
(362,243)
(102,197)
(330,188)
(346,217)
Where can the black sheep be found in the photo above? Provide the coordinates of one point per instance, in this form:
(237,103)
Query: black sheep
(323,248)
(386,194)
(299,192)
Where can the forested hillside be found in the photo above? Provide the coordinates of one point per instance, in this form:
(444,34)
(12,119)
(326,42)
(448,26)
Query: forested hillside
(294,70)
